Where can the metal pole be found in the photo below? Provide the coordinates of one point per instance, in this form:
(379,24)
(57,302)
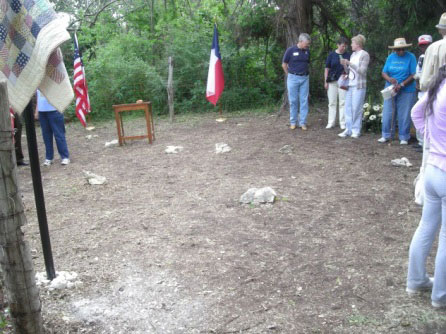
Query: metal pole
(38,191)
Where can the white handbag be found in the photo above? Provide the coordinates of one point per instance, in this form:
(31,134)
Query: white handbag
(419,180)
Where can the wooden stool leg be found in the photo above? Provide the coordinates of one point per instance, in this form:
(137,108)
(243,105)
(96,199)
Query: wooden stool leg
(122,128)
(149,127)
(118,126)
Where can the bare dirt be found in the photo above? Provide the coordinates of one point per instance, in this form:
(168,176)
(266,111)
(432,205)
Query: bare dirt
(165,247)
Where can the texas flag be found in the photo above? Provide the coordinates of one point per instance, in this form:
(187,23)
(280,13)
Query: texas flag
(216,80)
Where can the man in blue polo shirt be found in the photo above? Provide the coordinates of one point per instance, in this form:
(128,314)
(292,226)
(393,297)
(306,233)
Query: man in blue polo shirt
(295,63)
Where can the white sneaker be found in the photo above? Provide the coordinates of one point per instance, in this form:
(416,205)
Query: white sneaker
(383,140)
(65,161)
(342,127)
(47,162)
(356,135)
(438,305)
(417,291)
(404,142)
(329,126)
(343,134)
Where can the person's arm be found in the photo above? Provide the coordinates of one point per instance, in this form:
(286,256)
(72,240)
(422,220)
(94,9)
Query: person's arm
(389,79)
(418,112)
(427,72)
(363,64)
(325,78)
(36,111)
(407,81)
(285,68)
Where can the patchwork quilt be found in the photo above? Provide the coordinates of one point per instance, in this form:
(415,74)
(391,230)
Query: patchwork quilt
(30,58)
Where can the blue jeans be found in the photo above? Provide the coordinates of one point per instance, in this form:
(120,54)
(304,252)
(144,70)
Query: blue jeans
(434,216)
(298,88)
(354,101)
(403,104)
(52,124)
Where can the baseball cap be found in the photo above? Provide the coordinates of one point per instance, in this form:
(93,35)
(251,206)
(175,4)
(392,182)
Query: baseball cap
(424,39)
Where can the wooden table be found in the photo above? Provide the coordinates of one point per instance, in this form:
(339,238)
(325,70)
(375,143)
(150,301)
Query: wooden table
(144,106)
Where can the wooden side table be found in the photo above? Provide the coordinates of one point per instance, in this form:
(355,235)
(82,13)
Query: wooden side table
(144,106)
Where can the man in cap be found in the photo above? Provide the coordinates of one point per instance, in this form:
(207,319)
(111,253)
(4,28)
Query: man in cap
(435,56)
(423,42)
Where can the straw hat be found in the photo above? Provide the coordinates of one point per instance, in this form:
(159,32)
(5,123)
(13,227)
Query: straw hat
(399,43)
(442,23)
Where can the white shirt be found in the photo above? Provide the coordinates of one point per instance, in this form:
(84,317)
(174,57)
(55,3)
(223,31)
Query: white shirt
(354,59)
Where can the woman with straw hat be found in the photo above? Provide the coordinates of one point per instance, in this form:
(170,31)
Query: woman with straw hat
(399,70)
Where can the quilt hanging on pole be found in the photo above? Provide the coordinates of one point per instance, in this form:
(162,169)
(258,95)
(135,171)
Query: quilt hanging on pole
(30,58)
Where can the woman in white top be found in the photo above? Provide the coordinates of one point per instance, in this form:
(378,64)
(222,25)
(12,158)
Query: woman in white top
(357,66)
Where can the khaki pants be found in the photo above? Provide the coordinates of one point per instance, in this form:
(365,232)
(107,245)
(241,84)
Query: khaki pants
(335,93)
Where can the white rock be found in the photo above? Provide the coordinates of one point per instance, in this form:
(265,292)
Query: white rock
(404,162)
(258,195)
(173,149)
(63,280)
(222,148)
(114,142)
(93,178)
(287,149)
(91,136)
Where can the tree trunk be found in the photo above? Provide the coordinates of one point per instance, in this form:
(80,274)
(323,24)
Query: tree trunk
(15,257)
(170,91)
(297,19)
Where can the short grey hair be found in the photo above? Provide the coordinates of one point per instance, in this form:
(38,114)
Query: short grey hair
(304,37)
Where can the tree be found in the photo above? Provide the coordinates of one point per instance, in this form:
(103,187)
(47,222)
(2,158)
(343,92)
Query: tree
(15,256)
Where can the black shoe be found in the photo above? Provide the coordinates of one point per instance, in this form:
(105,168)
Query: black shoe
(22,163)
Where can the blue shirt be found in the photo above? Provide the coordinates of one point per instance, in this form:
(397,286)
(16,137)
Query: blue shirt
(298,60)
(42,103)
(401,68)
(334,65)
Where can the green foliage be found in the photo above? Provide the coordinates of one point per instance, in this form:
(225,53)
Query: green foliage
(126,47)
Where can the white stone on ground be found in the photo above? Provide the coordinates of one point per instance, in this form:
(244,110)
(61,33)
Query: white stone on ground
(222,148)
(114,142)
(63,280)
(403,162)
(94,178)
(173,149)
(258,195)
(287,149)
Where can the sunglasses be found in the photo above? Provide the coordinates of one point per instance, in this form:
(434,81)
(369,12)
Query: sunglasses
(398,50)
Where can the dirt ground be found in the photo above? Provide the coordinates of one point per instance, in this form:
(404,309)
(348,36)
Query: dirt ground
(165,247)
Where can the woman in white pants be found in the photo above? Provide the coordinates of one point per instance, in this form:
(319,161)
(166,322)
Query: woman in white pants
(354,100)
(333,70)
(429,114)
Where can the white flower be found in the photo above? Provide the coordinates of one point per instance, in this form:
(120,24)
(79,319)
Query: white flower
(376,107)
(372,117)
(366,105)
(367,113)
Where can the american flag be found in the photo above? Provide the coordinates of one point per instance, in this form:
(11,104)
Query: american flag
(80,85)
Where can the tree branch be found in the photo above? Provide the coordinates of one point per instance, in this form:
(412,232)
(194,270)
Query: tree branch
(326,13)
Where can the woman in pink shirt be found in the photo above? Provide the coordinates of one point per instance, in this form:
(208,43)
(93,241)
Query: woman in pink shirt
(432,106)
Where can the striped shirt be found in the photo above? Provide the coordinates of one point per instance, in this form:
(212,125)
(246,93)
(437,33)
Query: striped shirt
(359,62)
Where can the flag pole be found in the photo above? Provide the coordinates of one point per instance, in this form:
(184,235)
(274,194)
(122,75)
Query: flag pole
(220,113)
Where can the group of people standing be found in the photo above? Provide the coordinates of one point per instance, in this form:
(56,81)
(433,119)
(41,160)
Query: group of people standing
(345,79)
(406,76)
